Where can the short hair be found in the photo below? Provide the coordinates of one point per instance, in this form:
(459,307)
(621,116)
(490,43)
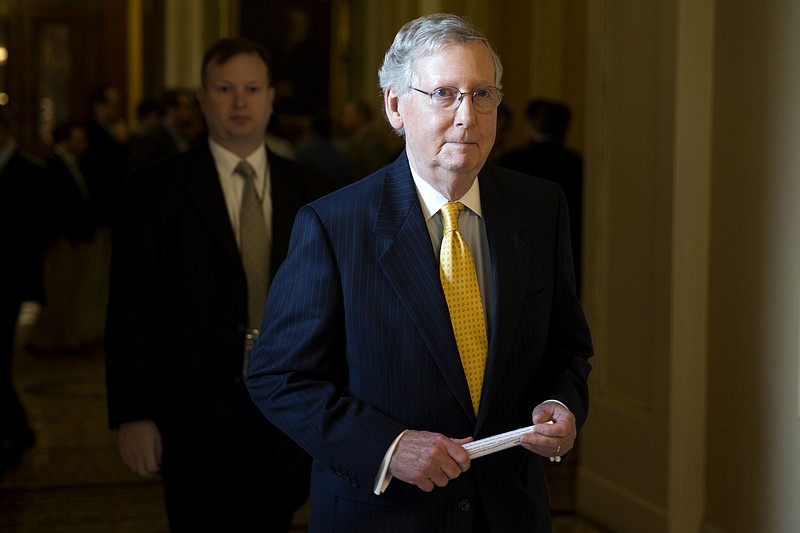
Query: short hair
(425,36)
(548,117)
(227,48)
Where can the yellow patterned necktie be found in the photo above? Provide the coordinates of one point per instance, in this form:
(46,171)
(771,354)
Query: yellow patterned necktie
(460,283)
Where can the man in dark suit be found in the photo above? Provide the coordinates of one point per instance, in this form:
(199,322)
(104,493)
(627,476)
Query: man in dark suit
(546,156)
(104,162)
(180,316)
(73,316)
(23,238)
(170,136)
(359,361)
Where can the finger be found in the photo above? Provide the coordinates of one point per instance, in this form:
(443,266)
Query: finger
(440,479)
(541,417)
(461,460)
(151,466)
(544,412)
(452,471)
(550,430)
(425,485)
(138,467)
(551,410)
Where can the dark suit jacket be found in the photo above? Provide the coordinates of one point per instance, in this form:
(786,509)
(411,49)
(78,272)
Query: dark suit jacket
(358,346)
(178,303)
(104,166)
(71,210)
(553,161)
(25,227)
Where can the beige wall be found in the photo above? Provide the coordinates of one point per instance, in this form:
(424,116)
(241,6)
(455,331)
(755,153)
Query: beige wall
(692,118)
(753,427)
(630,185)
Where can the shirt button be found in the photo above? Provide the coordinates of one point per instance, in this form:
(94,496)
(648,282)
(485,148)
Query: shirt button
(464,505)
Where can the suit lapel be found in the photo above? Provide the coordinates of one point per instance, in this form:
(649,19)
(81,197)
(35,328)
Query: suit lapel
(206,193)
(511,259)
(410,266)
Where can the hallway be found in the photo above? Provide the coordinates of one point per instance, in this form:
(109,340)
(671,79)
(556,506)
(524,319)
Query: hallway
(72,480)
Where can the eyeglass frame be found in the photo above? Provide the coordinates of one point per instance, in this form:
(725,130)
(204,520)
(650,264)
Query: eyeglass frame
(461,96)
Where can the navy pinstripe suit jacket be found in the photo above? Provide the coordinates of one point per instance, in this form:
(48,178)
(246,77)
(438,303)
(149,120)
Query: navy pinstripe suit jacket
(357,346)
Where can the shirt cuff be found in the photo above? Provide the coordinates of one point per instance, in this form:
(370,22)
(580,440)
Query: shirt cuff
(384,477)
(560,403)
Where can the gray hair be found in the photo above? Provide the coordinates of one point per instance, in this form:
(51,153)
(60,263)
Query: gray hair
(425,36)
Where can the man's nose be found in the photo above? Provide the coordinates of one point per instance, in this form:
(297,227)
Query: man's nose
(465,112)
(240,97)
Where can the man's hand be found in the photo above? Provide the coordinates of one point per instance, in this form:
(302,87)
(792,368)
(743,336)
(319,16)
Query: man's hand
(551,440)
(140,447)
(428,460)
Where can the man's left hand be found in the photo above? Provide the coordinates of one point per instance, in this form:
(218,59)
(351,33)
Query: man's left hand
(551,440)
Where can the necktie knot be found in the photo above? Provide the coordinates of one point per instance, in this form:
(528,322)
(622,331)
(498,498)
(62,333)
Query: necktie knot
(245,170)
(450,214)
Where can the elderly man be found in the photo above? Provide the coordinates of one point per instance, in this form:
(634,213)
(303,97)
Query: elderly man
(429,304)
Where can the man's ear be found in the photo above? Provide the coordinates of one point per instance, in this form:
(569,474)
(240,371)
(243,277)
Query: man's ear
(391,104)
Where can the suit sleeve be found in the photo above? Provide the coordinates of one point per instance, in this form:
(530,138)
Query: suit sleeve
(298,372)
(131,313)
(569,343)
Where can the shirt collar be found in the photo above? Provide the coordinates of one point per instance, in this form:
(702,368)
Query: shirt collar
(226,160)
(432,200)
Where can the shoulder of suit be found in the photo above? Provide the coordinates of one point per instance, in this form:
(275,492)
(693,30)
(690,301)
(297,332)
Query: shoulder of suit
(294,173)
(173,169)
(517,184)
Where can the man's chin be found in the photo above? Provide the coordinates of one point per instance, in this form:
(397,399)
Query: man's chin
(463,164)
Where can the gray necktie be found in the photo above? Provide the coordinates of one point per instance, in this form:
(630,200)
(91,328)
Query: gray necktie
(254,246)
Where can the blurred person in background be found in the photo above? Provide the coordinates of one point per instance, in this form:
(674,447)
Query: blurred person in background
(24,220)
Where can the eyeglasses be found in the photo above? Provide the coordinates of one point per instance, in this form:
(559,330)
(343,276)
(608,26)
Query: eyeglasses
(484,99)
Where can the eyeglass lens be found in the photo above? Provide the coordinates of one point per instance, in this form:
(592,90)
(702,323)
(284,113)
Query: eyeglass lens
(484,98)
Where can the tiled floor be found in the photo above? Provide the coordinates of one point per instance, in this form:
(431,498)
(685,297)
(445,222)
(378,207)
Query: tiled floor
(72,481)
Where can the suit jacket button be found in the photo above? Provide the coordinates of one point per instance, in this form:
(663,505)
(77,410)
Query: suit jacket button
(464,505)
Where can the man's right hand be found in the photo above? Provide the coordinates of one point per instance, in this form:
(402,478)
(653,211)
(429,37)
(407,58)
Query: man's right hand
(428,460)
(140,446)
